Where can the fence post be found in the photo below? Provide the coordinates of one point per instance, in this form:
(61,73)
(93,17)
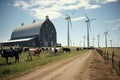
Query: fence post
(119,65)
(113,59)
(107,56)
(104,55)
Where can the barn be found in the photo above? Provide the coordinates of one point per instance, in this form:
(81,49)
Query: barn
(37,34)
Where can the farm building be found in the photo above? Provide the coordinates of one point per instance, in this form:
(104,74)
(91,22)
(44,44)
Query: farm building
(37,34)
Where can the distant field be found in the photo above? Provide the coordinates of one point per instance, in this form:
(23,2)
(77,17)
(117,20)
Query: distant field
(110,50)
(23,65)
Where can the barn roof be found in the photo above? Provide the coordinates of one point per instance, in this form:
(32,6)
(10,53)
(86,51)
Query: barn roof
(27,30)
(18,40)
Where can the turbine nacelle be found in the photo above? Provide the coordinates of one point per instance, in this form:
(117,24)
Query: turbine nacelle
(68,17)
(86,21)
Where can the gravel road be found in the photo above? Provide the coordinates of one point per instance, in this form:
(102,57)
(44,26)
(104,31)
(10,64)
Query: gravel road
(86,66)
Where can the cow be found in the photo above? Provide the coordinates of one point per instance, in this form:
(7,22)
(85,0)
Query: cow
(34,52)
(25,49)
(59,50)
(52,50)
(66,49)
(55,50)
(6,53)
(77,49)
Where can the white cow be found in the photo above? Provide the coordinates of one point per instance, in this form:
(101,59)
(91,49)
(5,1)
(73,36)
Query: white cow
(35,52)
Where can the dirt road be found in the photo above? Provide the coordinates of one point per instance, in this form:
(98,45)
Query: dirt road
(75,68)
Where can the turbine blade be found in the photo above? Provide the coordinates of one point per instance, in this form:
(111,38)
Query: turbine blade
(73,13)
(86,16)
(108,34)
(89,26)
(67,16)
(92,19)
(70,23)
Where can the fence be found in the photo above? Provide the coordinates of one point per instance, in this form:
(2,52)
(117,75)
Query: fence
(112,58)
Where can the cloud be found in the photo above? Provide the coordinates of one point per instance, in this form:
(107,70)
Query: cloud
(20,3)
(114,21)
(106,1)
(117,27)
(54,8)
(94,6)
(62,2)
(78,18)
(41,13)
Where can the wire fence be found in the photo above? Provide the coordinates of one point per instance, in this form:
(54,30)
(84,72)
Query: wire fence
(111,58)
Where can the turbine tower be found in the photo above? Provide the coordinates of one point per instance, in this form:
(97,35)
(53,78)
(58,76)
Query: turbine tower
(93,41)
(106,34)
(88,26)
(84,41)
(98,40)
(111,43)
(68,33)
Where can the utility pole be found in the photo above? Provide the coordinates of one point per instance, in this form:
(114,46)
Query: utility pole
(98,40)
(106,38)
(111,43)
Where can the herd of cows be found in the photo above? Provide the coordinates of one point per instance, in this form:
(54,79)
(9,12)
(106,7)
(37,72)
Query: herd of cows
(16,51)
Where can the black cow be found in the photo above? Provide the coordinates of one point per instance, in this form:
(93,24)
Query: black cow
(26,49)
(77,49)
(6,53)
(66,49)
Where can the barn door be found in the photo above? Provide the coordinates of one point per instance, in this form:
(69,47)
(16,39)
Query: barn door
(45,37)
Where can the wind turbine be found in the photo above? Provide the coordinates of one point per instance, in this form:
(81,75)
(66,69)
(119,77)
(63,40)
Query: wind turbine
(69,23)
(111,43)
(84,41)
(106,34)
(88,26)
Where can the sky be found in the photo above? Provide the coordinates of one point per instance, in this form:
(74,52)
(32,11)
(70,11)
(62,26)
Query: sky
(106,13)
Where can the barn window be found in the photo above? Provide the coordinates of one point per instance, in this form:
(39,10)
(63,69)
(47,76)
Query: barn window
(50,35)
(46,25)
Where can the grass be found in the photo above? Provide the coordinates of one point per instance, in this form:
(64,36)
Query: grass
(7,70)
(110,50)
(115,64)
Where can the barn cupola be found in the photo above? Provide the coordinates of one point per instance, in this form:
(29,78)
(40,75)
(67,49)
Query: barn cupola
(22,24)
(47,17)
(34,21)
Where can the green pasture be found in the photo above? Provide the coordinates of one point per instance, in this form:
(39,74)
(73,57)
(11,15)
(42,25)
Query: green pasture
(12,69)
